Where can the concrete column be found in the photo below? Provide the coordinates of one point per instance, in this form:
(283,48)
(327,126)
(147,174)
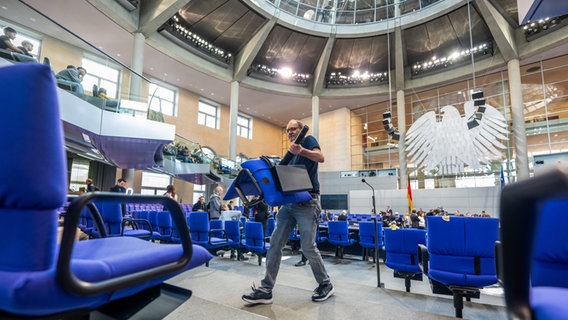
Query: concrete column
(519,132)
(401,126)
(315,116)
(138,66)
(136,89)
(233,117)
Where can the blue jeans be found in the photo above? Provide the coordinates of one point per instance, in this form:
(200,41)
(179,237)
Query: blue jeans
(305,215)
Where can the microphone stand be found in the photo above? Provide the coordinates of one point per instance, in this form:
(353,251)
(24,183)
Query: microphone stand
(376,239)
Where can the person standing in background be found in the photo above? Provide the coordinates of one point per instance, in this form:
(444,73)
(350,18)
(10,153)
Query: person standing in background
(171,192)
(215,203)
(120,186)
(199,205)
(90,186)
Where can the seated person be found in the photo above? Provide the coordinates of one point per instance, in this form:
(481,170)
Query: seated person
(342,216)
(17,53)
(72,77)
(26,47)
(110,102)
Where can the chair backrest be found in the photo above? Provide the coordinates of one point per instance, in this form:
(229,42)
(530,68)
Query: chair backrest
(233,230)
(550,256)
(164,220)
(31,192)
(337,230)
(367,234)
(216,224)
(198,222)
(95,90)
(401,247)
(534,251)
(254,234)
(112,217)
(462,250)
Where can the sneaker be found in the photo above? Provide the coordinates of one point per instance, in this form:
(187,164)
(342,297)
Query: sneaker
(257,296)
(323,292)
(300,263)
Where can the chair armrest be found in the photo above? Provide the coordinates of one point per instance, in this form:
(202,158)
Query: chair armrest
(423,258)
(74,285)
(134,224)
(212,231)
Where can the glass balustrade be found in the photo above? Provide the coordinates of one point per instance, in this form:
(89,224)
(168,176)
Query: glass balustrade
(114,114)
(188,151)
(349,11)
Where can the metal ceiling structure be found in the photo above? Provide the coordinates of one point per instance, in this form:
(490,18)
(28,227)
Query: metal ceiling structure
(258,33)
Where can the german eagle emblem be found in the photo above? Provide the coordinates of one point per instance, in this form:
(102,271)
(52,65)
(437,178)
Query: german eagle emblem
(457,142)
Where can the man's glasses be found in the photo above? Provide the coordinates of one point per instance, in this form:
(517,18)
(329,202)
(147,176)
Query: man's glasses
(292,129)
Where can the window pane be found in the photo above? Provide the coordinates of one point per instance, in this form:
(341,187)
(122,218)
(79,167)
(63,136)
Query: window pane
(162,99)
(103,76)
(244,127)
(156,180)
(208,115)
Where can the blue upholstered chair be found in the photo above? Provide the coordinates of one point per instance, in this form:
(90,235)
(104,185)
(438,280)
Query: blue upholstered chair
(401,250)
(367,237)
(201,233)
(217,229)
(164,221)
(338,235)
(459,258)
(38,276)
(534,242)
(116,226)
(236,241)
(255,240)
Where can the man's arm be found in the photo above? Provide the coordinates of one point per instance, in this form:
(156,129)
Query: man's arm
(12,47)
(315,154)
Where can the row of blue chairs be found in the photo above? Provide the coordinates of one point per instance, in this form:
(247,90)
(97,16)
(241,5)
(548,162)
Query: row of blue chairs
(216,234)
(456,254)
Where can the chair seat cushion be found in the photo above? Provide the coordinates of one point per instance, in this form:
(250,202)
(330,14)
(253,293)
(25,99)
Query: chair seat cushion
(402,262)
(549,302)
(346,242)
(93,260)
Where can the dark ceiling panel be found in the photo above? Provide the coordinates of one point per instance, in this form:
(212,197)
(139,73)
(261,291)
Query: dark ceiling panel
(194,11)
(444,35)
(364,54)
(285,47)
(225,24)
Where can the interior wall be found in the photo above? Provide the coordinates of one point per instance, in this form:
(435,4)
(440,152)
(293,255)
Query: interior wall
(334,139)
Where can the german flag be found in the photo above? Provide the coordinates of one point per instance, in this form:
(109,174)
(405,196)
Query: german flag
(409,196)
